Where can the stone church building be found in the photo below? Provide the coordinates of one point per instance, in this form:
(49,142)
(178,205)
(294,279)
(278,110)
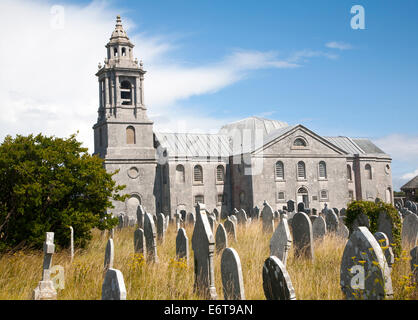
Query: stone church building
(247,162)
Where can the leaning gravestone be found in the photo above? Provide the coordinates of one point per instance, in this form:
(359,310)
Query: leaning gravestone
(319,228)
(281,241)
(242,217)
(230,227)
(302,235)
(221,238)
(113,287)
(45,289)
(332,221)
(414,263)
(160,227)
(139,242)
(182,245)
(410,230)
(268,218)
(276,281)
(232,280)
(140,213)
(385,225)
(290,206)
(364,273)
(343,231)
(203,244)
(383,241)
(109,255)
(150,238)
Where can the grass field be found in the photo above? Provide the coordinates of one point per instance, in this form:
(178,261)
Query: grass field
(171,280)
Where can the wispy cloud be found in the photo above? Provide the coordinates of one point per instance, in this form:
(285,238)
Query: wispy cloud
(401,147)
(410,175)
(338,45)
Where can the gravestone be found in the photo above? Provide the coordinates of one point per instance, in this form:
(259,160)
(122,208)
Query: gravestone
(113,287)
(109,255)
(385,224)
(232,280)
(341,220)
(325,209)
(343,212)
(414,208)
(72,243)
(281,241)
(319,228)
(45,289)
(336,211)
(302,235)
(140,213)
(182,245)
(343,231)
(235,211)
(301,207)
(224,214)
(332,222)
(364,273)
(120,224)
(241,217)
(139,242)
(414,263)
(256,213)
(313,218)
(212,223)
(362,220)
(276,215)
(234,219)
(276,281)
(410,230)
(290,206)
(383,241)
(268,221)
(125,221)
(221,238)
(177,216)
(150,238)
(167,223)
(160,227)
(314,212)
(191,219)
(230,228)
(203,244)
(217,215)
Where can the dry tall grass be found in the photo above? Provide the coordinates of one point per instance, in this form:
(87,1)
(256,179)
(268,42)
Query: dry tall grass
(20,272)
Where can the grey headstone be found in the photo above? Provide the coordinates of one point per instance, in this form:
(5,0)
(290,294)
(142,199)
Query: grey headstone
(230,228)
(362,220)
(217,215)
(203,244)
(313,218)
(150,238)
(182,245)
(319,228)
(242,217)
(276,281)
(383,241)
(113,287)
(291,206)
(212,223)
(160,227)
(385,225)
(301,207)
(363,267)
(343,212)
(341,220)
(140,213)
(234,219)
(281,241)
(221,238)
(167,222)
(343,231)
(268,218)
(191,219)
(120,224)
(232,280)
(332,221)
(414,208)
(336,211)
(139,242)
(302,235)
(109,254)
(256,213)
(410,230)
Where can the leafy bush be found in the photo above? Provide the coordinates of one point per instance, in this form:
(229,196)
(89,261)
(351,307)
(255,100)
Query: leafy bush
(48,184)
(372,211)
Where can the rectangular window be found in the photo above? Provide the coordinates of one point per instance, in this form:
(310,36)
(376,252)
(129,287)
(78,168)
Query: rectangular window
(221,199)
(280,195)
(324,194)
(199,199)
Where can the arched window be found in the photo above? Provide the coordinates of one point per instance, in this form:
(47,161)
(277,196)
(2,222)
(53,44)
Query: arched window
(126,92)
(322,170)
(180,178)
(368,169)
(198,174)
(130,135)
(279,170)
(324,194)
(301,170)
(299,142)
(349,176)
(123,52)
(220,173)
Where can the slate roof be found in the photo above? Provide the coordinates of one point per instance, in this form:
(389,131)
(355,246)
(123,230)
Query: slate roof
(412,184)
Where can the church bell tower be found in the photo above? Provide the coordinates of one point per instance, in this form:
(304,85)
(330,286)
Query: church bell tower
(123,134)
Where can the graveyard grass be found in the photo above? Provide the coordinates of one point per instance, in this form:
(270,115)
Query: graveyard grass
(173,280)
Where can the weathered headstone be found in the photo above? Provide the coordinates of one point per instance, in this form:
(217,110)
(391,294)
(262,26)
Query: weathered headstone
(313,218)
(362,220)
(410,230)
(319,228)
(217,215)
(268,218)
(301,207)
(241,217)
(221,238)
(139,242)
(281,241)
(336,211)
(232,280)
(160,227)
(383,241)
(182,245)
(45,289)
(113,287)
(385,225)
(191,219)
(290,206)
(150,238)
(120,224)
(332,221)
(364,273)
(343,212)
(230,228)
(256,213)
(276,281)
(212,223)
(203,244)
(166,223)
(302,235)
(140,213)
(343,231)
(109,255)
(177,216)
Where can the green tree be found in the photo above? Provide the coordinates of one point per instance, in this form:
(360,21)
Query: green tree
(48,184)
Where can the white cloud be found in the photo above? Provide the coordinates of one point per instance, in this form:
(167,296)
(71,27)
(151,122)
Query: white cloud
(339,45)
(401,147)
(410,175)
(48,83)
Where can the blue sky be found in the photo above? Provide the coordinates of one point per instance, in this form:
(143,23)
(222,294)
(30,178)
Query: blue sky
(365,85)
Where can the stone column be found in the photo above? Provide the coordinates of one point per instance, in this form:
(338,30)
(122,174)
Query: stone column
(107,93)
(117,91)
(141,78)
